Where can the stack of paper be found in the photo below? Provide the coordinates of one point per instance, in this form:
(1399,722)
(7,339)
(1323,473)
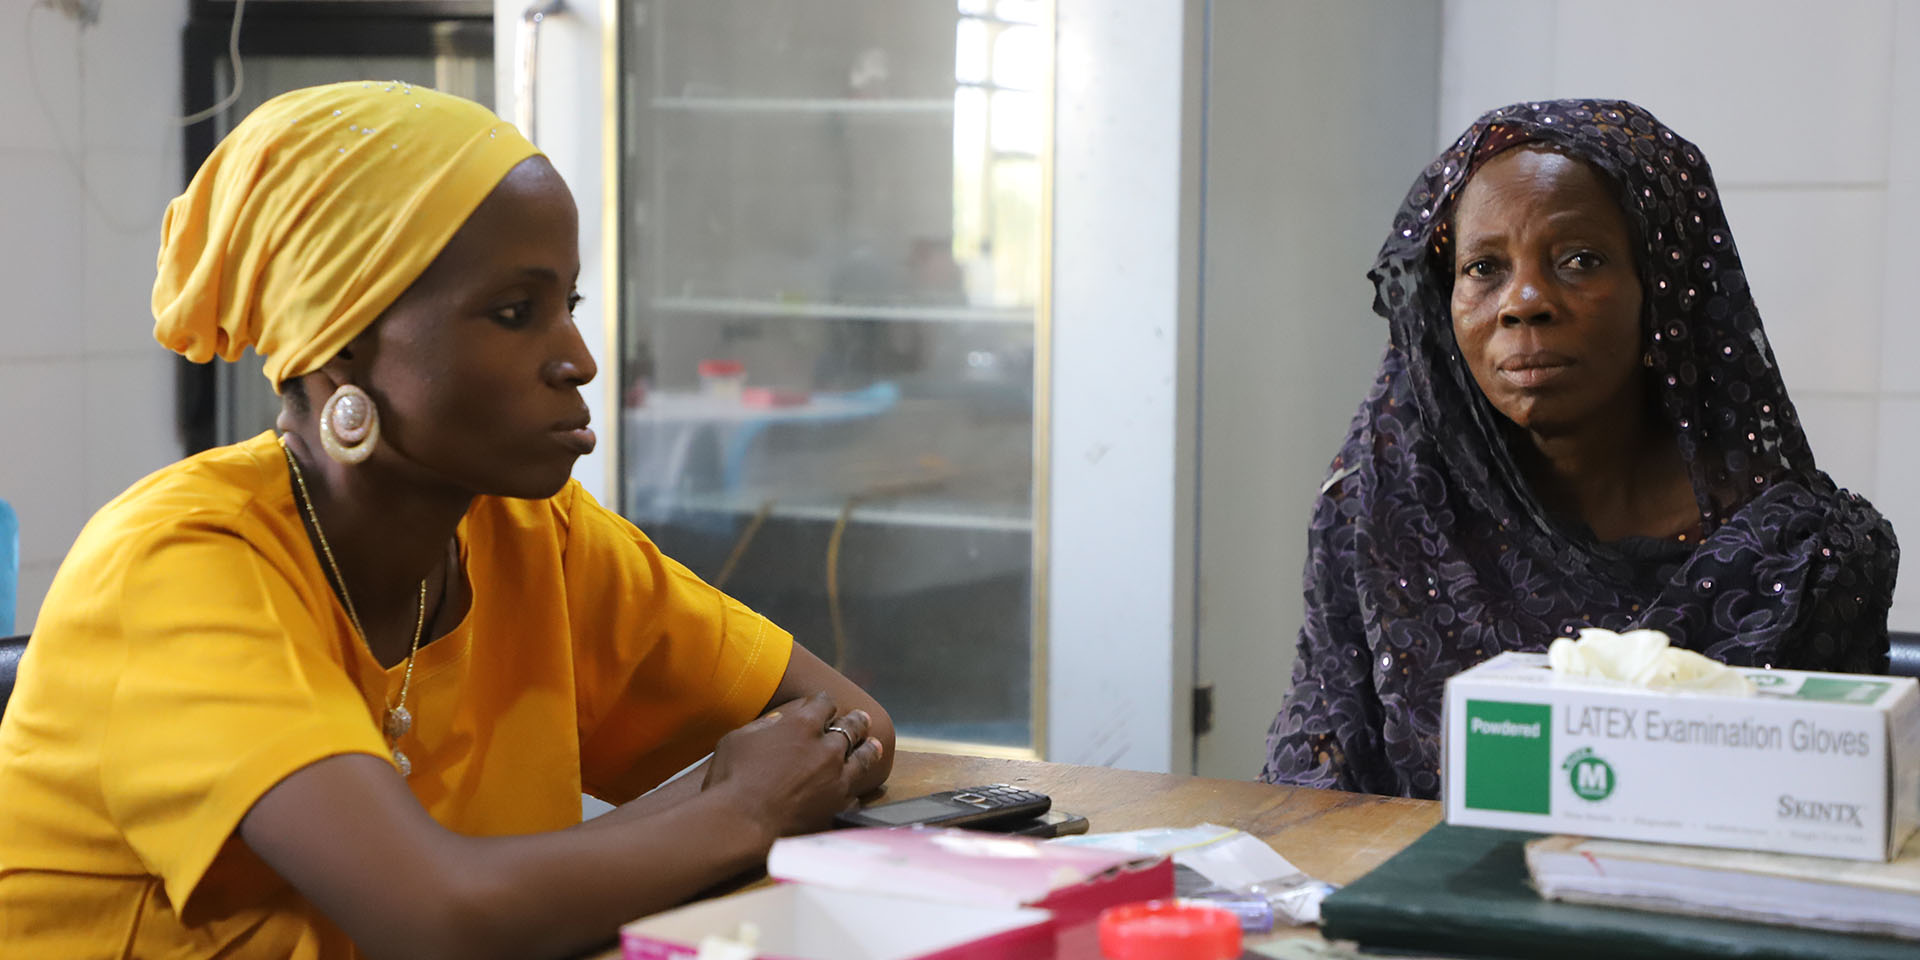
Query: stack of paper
(1817,892)
(1464,891)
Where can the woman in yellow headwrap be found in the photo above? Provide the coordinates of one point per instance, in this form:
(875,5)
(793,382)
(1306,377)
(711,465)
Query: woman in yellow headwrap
(344,685)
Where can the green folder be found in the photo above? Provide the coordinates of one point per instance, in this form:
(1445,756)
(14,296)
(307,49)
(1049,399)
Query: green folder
(1464,891)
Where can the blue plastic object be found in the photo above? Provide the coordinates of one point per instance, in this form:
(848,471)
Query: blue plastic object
(9,566)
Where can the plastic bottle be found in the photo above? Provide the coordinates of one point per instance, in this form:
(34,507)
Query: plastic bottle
(1169,930)
(723,379)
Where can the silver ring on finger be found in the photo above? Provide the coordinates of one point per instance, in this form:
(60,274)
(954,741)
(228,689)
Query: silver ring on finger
(836,728)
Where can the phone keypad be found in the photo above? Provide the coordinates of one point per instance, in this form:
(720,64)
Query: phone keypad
(995,795)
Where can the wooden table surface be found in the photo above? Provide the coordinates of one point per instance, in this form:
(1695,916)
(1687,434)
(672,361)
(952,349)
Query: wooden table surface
(1332,836)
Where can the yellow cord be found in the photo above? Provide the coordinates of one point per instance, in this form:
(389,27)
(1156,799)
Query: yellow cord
(840,644)
(1201,843)
(740,545)
(833,584)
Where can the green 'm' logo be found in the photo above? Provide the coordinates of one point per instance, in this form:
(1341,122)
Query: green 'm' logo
(1590,776)
(1509,756)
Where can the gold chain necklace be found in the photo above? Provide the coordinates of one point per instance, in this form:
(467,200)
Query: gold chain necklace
(398,720)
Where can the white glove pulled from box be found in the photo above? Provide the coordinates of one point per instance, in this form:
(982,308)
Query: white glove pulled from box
(1643,658)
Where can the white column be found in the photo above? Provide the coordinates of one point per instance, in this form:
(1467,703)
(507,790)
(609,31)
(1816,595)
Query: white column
(1119,577)
(572,110)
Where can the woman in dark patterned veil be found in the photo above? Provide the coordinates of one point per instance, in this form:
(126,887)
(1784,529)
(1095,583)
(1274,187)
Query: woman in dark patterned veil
(1578,422)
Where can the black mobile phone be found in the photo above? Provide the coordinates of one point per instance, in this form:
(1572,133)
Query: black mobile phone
(1053,823)
(967,807)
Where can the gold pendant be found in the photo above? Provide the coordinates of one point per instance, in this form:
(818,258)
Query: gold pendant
(399,721)
(405,765)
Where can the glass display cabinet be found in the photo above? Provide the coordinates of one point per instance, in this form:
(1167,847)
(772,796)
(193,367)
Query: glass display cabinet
(832,272)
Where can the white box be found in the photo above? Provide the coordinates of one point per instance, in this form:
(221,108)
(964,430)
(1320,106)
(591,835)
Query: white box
(1826,764)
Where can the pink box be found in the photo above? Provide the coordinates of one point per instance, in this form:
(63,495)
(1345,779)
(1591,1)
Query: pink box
(802,922)
(880,884)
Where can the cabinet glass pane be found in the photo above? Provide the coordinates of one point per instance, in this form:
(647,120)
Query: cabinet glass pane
(832,255)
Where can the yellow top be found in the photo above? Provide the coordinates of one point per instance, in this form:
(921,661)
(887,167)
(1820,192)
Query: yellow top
(190,655)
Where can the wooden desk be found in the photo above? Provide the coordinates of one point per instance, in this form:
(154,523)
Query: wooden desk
(1332,836)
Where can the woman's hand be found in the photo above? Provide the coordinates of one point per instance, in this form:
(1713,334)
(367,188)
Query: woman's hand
(790,773)
(806,675)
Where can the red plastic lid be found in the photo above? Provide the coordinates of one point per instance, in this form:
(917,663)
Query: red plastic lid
(721,368)
(1168,930)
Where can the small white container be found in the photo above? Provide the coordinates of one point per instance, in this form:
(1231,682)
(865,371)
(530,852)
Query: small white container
(723,379)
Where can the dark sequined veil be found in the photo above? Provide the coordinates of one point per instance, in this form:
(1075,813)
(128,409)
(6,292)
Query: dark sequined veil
(1428,553)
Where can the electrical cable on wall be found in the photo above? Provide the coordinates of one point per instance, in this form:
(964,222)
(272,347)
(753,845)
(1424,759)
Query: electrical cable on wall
(239,73)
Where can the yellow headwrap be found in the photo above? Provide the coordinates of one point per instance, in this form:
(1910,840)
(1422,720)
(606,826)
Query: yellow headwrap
(315,214)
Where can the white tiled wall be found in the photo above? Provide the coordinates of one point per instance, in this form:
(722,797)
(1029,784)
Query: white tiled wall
(1810,115)
(89,156)
(1813,258)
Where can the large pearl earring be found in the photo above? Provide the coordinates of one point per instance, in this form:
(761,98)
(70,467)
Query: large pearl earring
(349,425)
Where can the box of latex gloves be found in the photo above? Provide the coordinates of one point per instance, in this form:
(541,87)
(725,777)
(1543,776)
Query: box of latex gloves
(1622,736)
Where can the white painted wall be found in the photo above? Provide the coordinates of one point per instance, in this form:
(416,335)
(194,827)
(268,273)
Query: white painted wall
(1125,191)
(1810,115)
(1318,117)
(89,158)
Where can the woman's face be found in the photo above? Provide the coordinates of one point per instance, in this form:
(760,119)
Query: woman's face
(1546,295)
(477,367)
